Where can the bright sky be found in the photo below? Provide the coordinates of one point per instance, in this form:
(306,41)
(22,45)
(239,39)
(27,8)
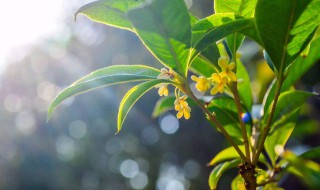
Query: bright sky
(25,22)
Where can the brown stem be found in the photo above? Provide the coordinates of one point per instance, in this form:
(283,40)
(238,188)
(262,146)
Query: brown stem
(247,171)
(235,92)
(212,118)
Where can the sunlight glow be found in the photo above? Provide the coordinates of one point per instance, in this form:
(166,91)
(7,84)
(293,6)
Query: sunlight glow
(23,23)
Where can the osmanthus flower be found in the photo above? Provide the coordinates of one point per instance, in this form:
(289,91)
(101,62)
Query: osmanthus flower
(181,105)
(165,74)
(227,68)
(163,89)
(203,84)
(219,81)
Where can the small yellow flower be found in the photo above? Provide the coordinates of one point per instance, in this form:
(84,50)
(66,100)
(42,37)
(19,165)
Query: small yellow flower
(219,80)
(163,89)
(165,74)
(227,68)
(181,105)
(203,84)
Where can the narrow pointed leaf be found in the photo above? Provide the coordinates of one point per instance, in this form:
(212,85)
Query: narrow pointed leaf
(242,8)
(105,77)
(219,170)
(229,154)
(284,120)
(202,67)
(110,12)
(300,66)
(311,154)
(288,30)
(132,96)
(165,29)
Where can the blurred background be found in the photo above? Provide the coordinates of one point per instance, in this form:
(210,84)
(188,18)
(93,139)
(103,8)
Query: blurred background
(42,50)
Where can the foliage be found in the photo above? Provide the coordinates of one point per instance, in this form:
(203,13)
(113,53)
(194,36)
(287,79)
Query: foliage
(208,47)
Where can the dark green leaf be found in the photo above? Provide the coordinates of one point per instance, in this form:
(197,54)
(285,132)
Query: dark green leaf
(311,154)
(104,77)
(287,31)
(244,87)
(300,66)
(165,29)
(132,96)
(226,111)
(110,12)
(219,170)
(284,120)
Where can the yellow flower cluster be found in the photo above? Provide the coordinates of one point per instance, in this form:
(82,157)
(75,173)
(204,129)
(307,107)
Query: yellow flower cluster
(217,80)
(181,105)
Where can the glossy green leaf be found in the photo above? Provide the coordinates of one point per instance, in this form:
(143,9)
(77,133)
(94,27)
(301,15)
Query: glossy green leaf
(105,77)
(211,29)
(226,112)
(280,134)
(287,31)
(219,170)
(226,154)
(244,87)
(307,170)
(166,103)
(311,154)
(202,67)
(300,66)
(110,12)
(239,7)
(288,102)
(229,154)
(284,120)
(165,29)
(132,96)
(242,8)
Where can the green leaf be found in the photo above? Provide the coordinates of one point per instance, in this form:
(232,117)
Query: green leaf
(132,96)
(284,120)
(311,154)
(287,31)
(213,28)
(166,103)
(202,67)
(242,8)
(307,170)
(110,12)
(226,111)
(230,153)
(239,7)
(165,29)
(244,88)
(219,170)
(226,154)
(280,135)
(288,102)
(105,77)
(300,66)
